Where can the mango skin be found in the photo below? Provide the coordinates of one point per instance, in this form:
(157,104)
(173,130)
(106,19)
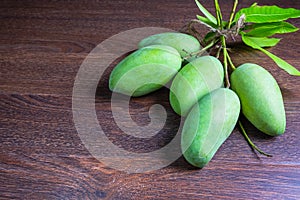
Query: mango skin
(145,70)
(261,98)
(208,125)
(194,80)
(179,41)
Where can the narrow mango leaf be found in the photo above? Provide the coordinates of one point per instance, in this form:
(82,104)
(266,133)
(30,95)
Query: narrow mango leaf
(207,22)
(269,29)
(281,63)
(265,14)
(206,13)
(263,41)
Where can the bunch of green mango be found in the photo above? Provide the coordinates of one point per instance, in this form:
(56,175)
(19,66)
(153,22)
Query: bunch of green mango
(197,92)
(155,63)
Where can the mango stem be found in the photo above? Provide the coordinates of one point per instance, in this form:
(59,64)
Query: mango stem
(230,62)
(253,146)
(199,52)
(232,13)
(225,53)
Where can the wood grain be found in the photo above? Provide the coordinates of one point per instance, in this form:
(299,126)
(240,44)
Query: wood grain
(42,45)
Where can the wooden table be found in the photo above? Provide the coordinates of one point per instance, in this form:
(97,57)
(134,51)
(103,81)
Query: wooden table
(44,43)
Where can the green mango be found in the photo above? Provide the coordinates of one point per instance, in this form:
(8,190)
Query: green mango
(194,80)
(183,43)
(261,98)
(145,70)
(208,125)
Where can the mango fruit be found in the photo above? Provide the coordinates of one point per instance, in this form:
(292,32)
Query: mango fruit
(194,80)
(261,98)
(208,125)
(145,70)
(183,43)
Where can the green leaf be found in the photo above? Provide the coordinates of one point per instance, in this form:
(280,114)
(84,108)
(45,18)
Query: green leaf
(206,13)
(269,29)
(264,14)
(263,41)
(281,63)
(207,22)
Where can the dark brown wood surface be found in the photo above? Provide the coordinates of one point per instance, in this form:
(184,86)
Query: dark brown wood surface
(42,45)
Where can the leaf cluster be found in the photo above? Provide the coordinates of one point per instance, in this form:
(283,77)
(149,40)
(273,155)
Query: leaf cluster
(257,26)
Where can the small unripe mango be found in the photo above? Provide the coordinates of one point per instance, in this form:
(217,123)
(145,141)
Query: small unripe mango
(145,70)
(194,80)
(208,125)
(183,43)
(261,98)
